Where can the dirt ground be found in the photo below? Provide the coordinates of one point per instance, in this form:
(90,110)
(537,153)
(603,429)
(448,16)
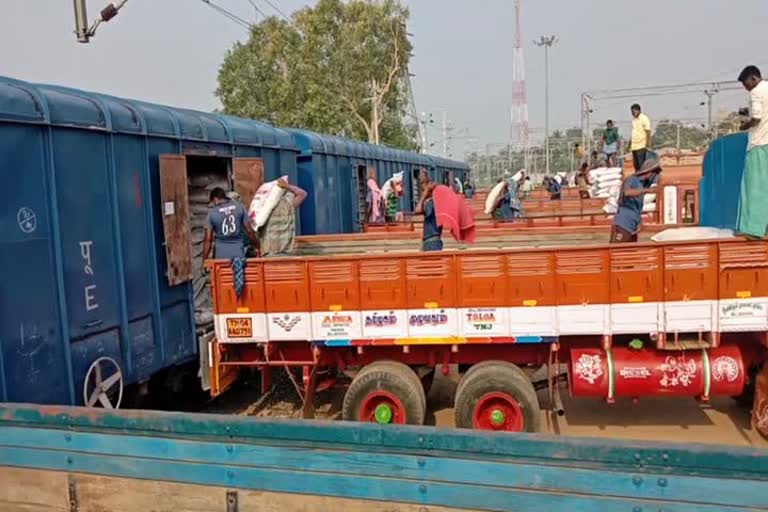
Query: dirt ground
(722,421)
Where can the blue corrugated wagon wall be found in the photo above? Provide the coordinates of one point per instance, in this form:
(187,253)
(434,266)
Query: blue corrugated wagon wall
(333,171)
(93,184)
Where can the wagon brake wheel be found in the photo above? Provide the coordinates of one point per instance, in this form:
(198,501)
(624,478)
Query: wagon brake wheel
(103,384)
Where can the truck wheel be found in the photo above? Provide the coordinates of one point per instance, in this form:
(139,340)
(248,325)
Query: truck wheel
(385,392)
(427,380)
(495,395)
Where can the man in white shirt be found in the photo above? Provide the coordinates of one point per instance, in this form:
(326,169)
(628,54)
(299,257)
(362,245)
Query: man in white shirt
(753,208)
(641,136)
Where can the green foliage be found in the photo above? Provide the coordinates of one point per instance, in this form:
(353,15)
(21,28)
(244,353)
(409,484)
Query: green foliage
(337,68)
(731,123)
(692,137)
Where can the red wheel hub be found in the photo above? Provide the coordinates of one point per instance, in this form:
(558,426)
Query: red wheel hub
(497,411)
(383,408)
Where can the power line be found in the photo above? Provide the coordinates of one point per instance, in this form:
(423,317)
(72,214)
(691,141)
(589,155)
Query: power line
(232,17)
(256,8)
(735,72)
(656,88)
(281,13)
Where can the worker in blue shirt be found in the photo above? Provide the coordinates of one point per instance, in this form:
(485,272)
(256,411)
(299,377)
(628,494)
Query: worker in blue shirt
(227,221)
(629,217)
(554,189)
(508,205)
(432,235)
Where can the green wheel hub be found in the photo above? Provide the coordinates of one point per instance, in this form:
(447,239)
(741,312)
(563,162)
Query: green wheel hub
(383,414)
(497,417)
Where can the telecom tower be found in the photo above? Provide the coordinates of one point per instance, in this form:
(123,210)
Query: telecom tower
(518,137)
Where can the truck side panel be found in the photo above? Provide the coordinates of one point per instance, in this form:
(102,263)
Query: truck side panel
(56,458)
(520,295)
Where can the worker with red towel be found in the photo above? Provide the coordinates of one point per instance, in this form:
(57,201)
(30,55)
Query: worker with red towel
(442,207)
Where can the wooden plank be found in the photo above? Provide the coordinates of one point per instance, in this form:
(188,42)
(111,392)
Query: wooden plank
(32,490)
(174,196)
(38,491)
(248,174)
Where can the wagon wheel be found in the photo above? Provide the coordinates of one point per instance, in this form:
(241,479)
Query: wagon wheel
(103,385)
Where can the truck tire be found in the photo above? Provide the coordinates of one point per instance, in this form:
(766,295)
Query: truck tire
(496,395)
(385,392)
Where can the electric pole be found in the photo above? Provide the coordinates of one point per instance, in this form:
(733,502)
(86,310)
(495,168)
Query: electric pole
(710,93)
(445,134)
(547,43)
(85,33)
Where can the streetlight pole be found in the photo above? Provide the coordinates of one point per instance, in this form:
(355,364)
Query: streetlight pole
(547,43)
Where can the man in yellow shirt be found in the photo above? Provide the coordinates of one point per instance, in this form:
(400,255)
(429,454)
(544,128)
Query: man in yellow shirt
(641,136)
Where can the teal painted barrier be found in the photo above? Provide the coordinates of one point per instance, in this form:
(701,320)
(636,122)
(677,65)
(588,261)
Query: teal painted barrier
(412,465)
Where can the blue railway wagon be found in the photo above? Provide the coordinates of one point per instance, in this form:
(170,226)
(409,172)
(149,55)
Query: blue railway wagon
(446,170)
(97,233)
(333,171)
(60,458)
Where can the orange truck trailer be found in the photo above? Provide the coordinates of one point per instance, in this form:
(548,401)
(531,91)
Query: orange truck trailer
(687,319)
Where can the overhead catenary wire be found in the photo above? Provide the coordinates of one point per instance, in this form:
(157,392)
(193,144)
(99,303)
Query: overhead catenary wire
(232,17)
(257,9)
(278,10)
(660,88)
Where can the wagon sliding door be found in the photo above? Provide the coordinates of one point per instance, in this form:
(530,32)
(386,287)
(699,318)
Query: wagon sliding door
(248,175)
(175,210)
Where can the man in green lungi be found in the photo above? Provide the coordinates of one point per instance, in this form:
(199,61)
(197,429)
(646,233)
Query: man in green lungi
(753,208)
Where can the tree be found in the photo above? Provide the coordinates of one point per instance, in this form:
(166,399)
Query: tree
(691,137)
(730,123)
(338,68)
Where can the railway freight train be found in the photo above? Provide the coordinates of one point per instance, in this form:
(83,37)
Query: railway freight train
(104,205)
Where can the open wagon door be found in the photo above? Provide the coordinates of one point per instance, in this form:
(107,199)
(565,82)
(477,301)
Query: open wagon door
(248,175)
(176,226)
(359,191)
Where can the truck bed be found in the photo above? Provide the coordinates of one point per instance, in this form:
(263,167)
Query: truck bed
(490,235)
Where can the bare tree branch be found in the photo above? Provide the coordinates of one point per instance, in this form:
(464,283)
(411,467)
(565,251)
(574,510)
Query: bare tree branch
(360,118)
(379,92)
(395,66)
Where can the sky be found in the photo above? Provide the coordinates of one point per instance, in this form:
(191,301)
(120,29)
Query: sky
(169,52)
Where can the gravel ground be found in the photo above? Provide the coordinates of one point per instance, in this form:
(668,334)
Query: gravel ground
(659,419)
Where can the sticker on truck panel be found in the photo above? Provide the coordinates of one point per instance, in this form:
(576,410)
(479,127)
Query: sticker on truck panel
(336,325)
(432,322)
(385,323)
(485,321)
(290,326)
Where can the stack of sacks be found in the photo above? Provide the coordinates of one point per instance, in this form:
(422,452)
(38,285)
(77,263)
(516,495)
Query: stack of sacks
(606,182)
